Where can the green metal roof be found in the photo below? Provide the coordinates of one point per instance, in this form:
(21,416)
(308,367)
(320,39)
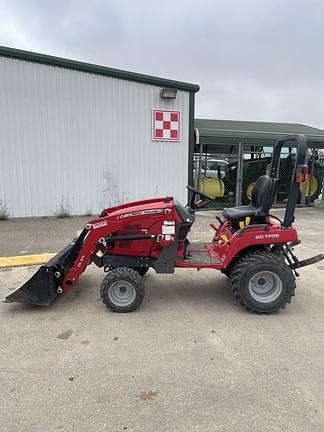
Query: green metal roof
(225,133)
(95,69)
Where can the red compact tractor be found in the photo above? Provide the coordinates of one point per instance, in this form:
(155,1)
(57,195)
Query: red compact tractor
(251,246)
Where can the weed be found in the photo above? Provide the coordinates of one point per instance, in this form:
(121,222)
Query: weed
(4,212)
(64,210)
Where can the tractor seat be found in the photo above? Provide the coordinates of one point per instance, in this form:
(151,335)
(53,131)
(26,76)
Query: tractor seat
(262,198)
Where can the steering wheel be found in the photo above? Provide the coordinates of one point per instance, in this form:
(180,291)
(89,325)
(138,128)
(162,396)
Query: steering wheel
(195,205)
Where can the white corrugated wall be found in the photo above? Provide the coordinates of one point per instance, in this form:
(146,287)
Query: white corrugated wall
(82,138)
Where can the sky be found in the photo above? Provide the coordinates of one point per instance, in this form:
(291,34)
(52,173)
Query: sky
(253,59)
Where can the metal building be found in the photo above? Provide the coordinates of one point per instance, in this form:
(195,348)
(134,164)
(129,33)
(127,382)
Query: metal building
(84,136)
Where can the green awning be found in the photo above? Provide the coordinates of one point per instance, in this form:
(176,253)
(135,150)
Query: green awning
(224,135)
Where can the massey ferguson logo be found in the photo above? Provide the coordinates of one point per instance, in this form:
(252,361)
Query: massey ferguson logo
(140,213)
(267,236)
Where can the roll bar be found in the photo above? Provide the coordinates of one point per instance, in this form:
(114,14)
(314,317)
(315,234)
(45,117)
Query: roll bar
(300,170)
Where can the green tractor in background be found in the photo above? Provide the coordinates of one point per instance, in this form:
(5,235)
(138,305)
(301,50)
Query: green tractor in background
(253,168)
(218,177)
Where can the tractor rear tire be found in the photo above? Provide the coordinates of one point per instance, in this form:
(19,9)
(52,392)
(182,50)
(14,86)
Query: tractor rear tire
(228,270)
(262,282)
(316,187)
(247,190)
(122,289)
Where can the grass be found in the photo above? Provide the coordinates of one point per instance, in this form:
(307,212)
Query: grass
(64,210)
(4,212)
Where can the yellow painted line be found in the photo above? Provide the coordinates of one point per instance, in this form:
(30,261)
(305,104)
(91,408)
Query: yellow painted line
(25,260)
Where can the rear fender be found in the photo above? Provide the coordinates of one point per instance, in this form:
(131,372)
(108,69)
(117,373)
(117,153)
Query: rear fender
(254,238)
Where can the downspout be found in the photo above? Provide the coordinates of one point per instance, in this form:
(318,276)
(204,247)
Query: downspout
(198,176)
(191,146)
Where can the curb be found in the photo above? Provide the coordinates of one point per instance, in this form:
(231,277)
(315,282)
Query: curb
(25,260)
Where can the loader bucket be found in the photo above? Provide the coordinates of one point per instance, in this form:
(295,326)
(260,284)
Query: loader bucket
(41,288)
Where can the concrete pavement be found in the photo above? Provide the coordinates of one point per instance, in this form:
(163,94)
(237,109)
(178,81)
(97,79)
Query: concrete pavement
(189,359)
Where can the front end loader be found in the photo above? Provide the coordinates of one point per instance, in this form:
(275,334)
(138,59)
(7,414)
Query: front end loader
(251,246)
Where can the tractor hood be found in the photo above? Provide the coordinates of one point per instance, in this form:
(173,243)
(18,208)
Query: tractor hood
(141,207)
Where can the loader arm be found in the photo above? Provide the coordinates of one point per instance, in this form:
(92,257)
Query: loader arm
(86,245)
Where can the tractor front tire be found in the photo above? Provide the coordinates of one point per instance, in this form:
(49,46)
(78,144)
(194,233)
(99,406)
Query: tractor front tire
(142,270)
(122,289)
(262,282)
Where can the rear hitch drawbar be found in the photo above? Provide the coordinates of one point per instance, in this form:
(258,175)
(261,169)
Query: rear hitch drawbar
(308,261)
(295,263)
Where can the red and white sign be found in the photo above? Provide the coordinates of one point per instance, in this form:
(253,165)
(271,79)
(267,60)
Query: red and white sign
(166,125)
